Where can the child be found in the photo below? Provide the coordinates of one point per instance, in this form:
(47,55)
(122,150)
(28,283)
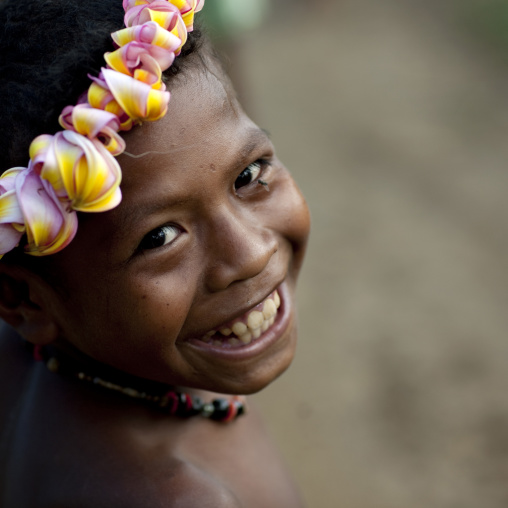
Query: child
(143,303)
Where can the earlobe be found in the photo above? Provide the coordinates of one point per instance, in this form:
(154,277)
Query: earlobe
(22,305)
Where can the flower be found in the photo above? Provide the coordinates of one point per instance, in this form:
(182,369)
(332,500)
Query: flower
(94,123)
(142,62)
(165,14)
(150,37)
(186,8)
(83,174)
(137,99)
(100,97)
(12,224)
(49,226)
(149,33)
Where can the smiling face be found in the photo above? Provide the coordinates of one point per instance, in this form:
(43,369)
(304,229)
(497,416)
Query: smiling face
(199,248)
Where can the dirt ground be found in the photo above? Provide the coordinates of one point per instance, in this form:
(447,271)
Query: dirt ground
(394,121)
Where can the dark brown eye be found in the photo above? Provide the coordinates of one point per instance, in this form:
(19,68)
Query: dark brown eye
(159,237)
(248,175)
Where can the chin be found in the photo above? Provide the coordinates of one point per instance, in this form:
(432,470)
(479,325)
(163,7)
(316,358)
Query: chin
(254,378)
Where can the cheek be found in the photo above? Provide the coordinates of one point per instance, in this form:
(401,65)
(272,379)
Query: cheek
(150,309)
(143,314)
(296,219)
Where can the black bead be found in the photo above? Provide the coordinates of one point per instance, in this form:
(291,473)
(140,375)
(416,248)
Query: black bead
(241,409)
(182,405)
(221,409)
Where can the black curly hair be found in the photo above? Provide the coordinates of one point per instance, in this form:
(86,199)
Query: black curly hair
(48,48)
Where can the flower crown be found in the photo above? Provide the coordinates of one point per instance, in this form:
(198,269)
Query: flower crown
(75,170)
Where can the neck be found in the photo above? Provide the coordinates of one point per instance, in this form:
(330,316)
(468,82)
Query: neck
(70,362)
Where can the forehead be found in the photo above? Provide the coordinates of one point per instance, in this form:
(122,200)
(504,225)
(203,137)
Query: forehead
(203,126)
(202,101)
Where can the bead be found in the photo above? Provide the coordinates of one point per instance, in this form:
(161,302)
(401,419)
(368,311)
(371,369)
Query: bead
(131,392)
(181,404)
(207,410)
(221,409)
(185,406)
(197,405)
(172,402)
(53,364)
(194,406)
(232,412)
(239,402)
(241,409)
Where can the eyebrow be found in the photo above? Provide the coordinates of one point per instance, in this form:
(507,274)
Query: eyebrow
(255,136)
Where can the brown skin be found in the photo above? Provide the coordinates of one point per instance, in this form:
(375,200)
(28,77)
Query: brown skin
(141,310)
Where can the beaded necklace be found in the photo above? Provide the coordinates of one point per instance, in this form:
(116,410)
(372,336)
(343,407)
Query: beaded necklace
(156,395)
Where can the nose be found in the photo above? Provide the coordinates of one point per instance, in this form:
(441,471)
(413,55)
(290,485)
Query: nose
(239,249)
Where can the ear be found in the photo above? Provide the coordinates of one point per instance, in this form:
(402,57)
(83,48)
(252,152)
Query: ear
(26,302)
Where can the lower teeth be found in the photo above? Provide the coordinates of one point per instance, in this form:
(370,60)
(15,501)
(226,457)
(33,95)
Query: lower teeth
(241,333)
(246,338)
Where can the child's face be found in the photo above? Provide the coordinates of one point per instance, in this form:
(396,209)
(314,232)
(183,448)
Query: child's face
(195,245)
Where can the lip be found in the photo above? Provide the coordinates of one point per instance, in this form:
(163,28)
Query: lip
(256,347)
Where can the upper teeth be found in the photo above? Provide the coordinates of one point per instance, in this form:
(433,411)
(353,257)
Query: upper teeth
(252,325)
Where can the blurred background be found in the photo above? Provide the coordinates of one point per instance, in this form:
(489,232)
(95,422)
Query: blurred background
(393,117)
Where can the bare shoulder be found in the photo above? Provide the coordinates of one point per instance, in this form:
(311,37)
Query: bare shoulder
(181,485)
(116,483)
(184,485)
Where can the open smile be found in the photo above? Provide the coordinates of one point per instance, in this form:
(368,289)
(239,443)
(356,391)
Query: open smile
(244,329)
(263,330)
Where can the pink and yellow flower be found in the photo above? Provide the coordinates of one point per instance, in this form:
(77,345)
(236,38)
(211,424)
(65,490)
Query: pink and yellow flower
(186,8)
(141,61)
(139,100)
(100,97)
(12,223)
(83,174)
(148,33)
(94,123)
(49,225)
(133,101)
(162,12)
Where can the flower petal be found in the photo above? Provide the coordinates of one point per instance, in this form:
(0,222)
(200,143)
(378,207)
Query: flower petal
(137,99)
(10,210)
(160,11)
(97,181)
(149,33)
(92,123)
(92,178)
(141,56)
(49,227)
(81,172)
(11,217)
(8,179)
(100,97)
(9,238)
(188,9)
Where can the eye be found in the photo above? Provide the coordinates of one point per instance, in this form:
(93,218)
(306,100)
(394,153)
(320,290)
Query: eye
(159,237)
(248,175)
